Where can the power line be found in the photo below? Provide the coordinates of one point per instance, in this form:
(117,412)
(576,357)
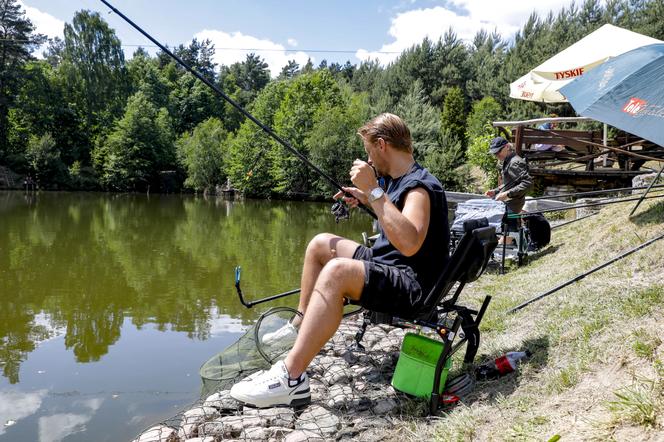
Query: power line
(332,51)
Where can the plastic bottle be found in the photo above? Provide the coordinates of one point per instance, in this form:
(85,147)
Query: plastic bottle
(501,366)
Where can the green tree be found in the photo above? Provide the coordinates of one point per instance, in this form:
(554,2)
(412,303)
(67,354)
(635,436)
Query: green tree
(444,162)
(192,102)
(242,82)
(139,145)
(249,162)
(333,143)
(487,55)
(478,155)
(94,71)
(17,41)
(202,153)
(290,70)
(422,119)
(483,112)
(453,117)
(305,97)
(199,55)
(43,157)
(145,76)
(40,107)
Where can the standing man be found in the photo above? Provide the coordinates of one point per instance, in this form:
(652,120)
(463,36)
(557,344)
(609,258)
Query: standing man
(516,179)
(393,276)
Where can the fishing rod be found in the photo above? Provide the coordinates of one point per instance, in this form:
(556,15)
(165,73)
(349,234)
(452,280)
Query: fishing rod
(557,226)
(592,192)
(583,275)
(580,206)
(236,105)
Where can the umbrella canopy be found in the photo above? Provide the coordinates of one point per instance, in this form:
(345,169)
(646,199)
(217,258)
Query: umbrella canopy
(626,92)
(543,83)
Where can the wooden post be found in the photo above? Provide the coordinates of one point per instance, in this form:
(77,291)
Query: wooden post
(518,136)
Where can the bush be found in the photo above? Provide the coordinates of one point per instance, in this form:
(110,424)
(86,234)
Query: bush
(478,155)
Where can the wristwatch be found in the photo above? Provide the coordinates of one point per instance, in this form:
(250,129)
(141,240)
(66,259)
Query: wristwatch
(376,194)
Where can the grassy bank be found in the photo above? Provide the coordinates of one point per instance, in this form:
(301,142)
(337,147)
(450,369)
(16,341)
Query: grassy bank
(597,370)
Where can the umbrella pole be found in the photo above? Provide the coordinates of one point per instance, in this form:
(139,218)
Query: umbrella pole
(647,190)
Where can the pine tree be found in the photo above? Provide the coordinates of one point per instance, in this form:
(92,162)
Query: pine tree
(17,41)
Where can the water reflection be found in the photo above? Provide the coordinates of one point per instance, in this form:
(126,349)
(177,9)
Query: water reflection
(84,263)
(15,406)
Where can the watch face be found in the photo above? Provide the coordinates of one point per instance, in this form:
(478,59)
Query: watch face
(376,193)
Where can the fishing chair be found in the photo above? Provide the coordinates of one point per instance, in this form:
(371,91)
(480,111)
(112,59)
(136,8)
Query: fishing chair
(467,263)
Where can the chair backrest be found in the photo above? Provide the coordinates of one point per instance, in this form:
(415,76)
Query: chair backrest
(468,261)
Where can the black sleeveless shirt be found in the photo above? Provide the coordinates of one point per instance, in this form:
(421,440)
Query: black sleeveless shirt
(432,257)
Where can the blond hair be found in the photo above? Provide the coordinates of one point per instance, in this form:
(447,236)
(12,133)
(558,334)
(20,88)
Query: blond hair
(391,129)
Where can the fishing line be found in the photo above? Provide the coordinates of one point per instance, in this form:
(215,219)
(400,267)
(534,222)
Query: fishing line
(236,105)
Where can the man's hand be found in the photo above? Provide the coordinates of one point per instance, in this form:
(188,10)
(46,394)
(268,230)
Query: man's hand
(490,193)
(357,196)
(364,177)
(502,196)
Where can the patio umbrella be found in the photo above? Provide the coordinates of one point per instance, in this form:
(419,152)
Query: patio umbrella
(543,82)
(626,92)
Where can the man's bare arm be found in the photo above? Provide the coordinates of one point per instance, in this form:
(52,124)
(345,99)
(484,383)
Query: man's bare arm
(406,230)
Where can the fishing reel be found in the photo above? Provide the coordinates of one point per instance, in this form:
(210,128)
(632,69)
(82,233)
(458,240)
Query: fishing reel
(340,210)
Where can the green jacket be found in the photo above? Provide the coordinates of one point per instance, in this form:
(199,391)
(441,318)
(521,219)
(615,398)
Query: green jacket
(516,181)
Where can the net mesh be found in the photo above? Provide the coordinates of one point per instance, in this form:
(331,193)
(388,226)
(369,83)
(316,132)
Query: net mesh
(351,395)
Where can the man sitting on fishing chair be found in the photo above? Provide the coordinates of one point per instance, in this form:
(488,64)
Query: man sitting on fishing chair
(393,276)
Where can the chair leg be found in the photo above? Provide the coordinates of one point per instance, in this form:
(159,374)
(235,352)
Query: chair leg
(435,395)
(363,329)
(472,334)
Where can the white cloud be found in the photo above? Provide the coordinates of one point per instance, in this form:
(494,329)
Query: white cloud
(44,23)
(56,427)
(15,405)
(234,47)
(409,28)
(292,42)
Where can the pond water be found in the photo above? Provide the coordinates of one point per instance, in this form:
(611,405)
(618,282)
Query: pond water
(109,304)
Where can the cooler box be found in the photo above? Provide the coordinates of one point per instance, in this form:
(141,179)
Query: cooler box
(416,367)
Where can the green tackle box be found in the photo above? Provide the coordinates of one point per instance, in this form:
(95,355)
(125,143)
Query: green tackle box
(416,366)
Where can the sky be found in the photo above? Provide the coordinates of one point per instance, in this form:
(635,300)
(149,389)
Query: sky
(282,30)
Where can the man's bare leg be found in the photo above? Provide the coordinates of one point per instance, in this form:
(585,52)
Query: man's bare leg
(339,278)
(321,249)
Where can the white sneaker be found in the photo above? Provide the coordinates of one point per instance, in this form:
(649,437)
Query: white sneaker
(273,388)
(284,335)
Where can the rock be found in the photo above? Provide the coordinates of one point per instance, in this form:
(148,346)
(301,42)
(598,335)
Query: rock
(387,344)
(158,433)
(385,406)
(274,417)
(318,389)
(373,335)
(320,364)
(201,439)
(642,181)
(342,396)
(584,211)
(268,433)
(222,400)
(304,436)
(338,374)
(229,426)
(193,418)
(318,420)
(350,357)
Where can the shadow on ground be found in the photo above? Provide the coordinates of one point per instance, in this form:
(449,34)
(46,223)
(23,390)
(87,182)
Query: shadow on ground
(493,389)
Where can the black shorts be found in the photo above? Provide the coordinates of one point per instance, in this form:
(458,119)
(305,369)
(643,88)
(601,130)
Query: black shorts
(388,289)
